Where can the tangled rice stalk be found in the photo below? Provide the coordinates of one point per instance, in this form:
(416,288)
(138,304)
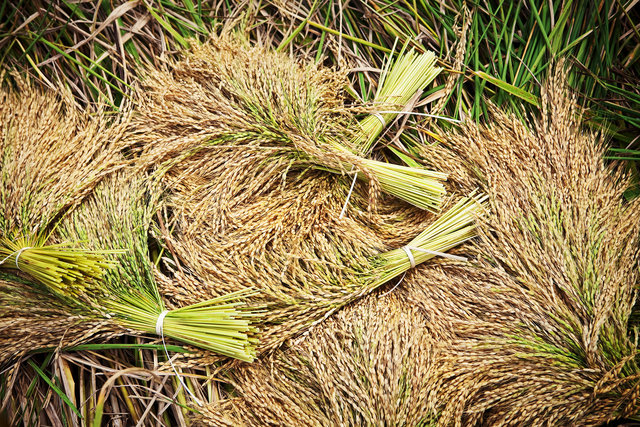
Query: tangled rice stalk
(559,268)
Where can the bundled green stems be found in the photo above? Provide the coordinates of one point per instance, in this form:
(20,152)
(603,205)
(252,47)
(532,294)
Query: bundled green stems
(400,82)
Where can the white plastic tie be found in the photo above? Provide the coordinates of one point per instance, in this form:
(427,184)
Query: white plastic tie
(160,331)
(17,254)
(408,248)
(160,322)
(378,116)
(346,202)
(412,260)
(394,286)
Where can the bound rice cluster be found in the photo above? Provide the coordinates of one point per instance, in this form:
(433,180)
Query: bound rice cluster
(241,210)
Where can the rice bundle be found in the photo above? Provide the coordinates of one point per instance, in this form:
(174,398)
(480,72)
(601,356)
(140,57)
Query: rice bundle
(110,281)
(60,267)
(536,331)
(52,156)
(229,94)
(558,273)
(42,177)
(230,125)
(119,215)
(304,280)
(399,83)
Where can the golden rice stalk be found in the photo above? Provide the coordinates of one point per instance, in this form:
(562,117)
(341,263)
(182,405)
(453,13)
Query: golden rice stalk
(33,318)
(227,93)
(326,273)
(51,156)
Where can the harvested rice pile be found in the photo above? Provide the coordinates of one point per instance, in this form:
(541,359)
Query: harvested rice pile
(535,330)
(247,208)
(230,181)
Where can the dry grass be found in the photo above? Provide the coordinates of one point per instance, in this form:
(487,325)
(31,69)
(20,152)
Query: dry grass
(31,319)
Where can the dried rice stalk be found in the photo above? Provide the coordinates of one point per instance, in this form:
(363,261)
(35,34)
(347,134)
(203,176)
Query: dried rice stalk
(536,332)
(541,331)
(368,365)
(317,277)
(227,93)
(31,319)
(53,157)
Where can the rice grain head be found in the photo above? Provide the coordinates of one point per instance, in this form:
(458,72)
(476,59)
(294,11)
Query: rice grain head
(546,336)
(367,365)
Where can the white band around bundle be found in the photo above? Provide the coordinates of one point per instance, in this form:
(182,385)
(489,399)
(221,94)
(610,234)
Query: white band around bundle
(407,249)
(410,256)
(160,331)
(17,254)
(379,117)
(346,202)
(160,322)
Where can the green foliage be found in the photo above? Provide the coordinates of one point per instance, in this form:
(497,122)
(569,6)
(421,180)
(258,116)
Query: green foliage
(94,47)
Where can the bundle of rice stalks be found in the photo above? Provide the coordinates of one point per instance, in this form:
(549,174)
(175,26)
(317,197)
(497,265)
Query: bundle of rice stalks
(303,279)
(227,93)
(51,157)
(410,74)
(536,331)
(119,215)
(540,330)
(238,131)
(125,300)
(61,268)
(368,365)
